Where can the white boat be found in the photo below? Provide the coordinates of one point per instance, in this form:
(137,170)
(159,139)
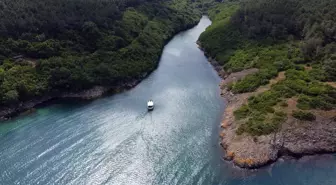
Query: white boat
(150,105)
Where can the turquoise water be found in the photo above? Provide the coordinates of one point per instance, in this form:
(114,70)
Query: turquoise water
(114,140)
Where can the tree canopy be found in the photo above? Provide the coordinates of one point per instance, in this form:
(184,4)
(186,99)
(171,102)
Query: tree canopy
(69,45)
(295,37)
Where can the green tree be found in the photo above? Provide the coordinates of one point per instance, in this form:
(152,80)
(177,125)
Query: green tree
(11,97)
(329,67)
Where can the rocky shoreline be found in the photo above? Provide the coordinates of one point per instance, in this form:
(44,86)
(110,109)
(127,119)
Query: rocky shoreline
(295,138)
(89,94)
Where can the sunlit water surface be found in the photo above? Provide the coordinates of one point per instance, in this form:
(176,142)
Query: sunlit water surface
(114,140)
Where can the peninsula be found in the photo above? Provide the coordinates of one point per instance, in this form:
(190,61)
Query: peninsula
(277,60)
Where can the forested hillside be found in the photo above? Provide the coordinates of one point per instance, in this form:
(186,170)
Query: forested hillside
(50,47)
(297,37)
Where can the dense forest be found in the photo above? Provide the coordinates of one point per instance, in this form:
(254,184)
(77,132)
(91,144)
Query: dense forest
(297,37)
(50,47)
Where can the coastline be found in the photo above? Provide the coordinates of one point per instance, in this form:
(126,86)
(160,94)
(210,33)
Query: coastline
(295,138)
(95,92)
(7,113)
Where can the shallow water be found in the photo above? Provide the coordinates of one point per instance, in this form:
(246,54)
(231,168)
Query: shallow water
(114,140)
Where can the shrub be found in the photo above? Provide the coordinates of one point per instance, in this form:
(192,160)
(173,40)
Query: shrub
(258,125)
(283,89)
(229,86)
(284,104)
(278,118)
(324,102)
(253,81)
(242,112)
(241,129)
(305,116)
(304,102)
(11,97)
(329,67)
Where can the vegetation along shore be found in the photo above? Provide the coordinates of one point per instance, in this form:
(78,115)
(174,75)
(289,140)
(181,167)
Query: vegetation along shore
(278,62)
(82,49)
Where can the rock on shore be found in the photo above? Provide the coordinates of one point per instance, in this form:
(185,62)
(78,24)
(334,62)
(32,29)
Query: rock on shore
(295,138)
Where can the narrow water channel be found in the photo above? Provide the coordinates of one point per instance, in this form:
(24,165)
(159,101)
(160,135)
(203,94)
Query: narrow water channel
(114,140)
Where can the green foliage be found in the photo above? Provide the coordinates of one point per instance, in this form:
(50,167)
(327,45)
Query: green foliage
(267,22)
(329,67)
(275,36)
(261,125)
(270,59)
(60,46)
(253,81)
(242,112)
(10,97)
(311,95)
(322,101)
(262,118)
(223,11)
(306,116)
(221,38)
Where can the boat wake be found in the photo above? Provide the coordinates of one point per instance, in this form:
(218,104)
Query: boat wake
(142,115)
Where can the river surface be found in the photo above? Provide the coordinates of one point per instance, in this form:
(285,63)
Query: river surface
(114,140)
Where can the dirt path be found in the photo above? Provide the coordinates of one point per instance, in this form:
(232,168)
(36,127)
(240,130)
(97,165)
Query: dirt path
(233,77)
(281,76)
(332,84)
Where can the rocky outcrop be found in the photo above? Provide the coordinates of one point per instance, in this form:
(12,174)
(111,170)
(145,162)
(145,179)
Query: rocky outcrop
(7,112)
(244,150)
(295,138)
(302,137)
